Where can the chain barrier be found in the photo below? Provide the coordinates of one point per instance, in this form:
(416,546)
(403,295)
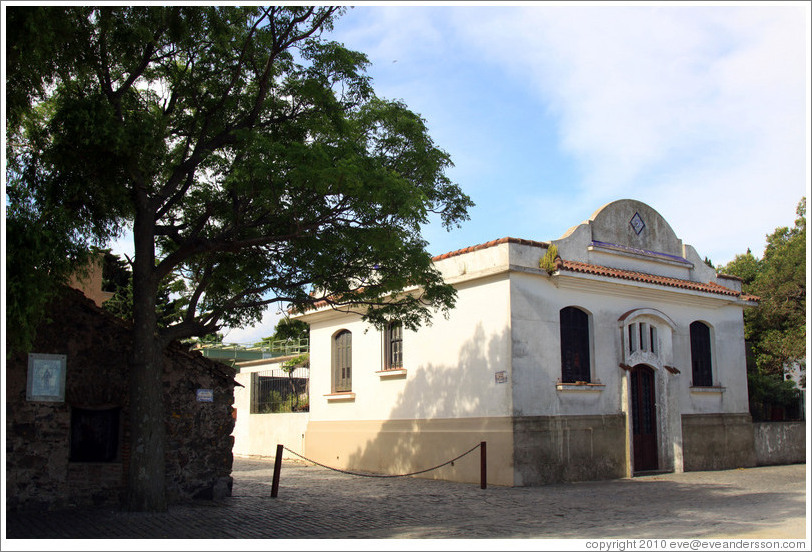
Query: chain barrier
(385,475)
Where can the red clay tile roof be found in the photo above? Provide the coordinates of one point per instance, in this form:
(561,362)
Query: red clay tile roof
(575,266)
(471,249)
(486,245)
(598,270)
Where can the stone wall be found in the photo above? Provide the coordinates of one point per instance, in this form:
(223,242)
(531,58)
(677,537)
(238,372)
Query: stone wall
(39,472)
(199,441)
(779,443)
(717,441)
(549,449)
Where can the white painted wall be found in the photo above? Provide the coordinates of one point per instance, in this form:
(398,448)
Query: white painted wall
(258,434)
(511,324)
(728,356)
(507,320)
(450,366)
(537,350)
(537,300)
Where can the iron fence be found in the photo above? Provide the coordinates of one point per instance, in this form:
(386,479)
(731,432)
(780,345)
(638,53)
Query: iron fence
(276,391)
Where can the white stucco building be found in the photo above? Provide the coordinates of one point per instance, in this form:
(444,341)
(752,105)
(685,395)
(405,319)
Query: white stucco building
(628,356)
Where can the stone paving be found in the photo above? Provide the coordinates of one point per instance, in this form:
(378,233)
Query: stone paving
(764,502)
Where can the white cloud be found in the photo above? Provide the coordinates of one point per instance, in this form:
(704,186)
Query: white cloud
(394,35)
(254,334)
(698,111)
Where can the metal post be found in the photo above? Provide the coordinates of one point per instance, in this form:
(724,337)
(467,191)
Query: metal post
(483,465)
(277,467)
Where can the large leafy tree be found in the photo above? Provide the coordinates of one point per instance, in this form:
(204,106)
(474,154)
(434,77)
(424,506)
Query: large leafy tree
(779,323)
(248,155)
(776,328)
(48,239)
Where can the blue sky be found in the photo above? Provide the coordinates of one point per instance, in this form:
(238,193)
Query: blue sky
(550,111)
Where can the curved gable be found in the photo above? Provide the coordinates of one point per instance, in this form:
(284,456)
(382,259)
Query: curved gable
(631,223)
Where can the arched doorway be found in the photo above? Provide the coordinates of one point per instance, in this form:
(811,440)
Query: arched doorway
(644,419)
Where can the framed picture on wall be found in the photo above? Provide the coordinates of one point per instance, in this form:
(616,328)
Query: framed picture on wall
(46,377)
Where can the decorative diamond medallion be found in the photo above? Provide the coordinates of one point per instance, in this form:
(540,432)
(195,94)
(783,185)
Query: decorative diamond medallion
(637,223)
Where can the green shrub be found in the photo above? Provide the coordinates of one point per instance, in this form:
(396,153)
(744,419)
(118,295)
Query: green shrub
(547,262)
(768,391)
(276,403)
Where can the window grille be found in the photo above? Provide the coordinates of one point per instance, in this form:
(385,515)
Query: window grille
(342,362)
(575,364)
(394,346)
(275,391)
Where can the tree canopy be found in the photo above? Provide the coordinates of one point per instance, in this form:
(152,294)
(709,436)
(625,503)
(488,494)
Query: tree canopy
(248,155)
(258,151)
(776,328)
(288,328)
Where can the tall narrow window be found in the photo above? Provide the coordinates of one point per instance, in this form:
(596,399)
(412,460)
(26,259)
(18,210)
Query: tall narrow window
(342,362)
(701,355)
(653,335)
(575,364)
(394,346)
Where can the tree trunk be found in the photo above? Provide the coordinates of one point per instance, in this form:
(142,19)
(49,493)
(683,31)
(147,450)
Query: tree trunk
(146,485)
(295,407)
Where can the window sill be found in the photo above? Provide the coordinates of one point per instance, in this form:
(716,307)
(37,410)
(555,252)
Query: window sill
(335,397)
(713,390)
(580,387)
(392,373)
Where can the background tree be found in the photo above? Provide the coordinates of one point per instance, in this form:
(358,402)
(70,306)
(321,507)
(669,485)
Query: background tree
(288,328)
(776,329)
(289,367)
(779,323)
(118,279)
(116,273)
(744,266)
(251,159)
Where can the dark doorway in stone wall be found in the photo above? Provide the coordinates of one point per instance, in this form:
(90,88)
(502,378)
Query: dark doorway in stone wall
(644,419)
(94,434)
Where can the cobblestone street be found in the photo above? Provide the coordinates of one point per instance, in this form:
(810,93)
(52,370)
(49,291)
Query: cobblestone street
(764,502)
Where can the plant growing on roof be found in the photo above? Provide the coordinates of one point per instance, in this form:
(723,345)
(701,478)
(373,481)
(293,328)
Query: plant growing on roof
(547,262)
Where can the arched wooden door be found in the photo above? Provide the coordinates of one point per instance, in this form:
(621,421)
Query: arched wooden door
(644,419)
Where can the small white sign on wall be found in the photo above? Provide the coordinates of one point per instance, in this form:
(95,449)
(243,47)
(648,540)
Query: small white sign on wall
(205,395)
(46,377)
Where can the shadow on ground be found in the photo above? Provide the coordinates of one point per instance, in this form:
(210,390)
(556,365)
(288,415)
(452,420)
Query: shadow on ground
(318,503)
